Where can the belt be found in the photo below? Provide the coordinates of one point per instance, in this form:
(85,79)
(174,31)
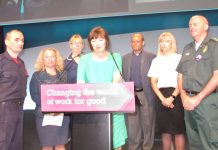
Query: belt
(195,93)
(138,89)
(20,103)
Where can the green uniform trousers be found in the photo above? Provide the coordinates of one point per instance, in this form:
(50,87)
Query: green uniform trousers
(202,124)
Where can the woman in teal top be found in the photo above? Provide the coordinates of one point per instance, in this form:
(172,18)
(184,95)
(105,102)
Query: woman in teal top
(101,66)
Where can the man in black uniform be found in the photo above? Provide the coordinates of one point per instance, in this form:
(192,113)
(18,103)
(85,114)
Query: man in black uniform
(198,81)
(13,79)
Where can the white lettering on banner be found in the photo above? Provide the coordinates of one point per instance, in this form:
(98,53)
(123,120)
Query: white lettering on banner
(53,101)
(63,101)
(111,91)
(79,101)
(76,96)
(66,93)
(88,92)
(97,101)
(50,101)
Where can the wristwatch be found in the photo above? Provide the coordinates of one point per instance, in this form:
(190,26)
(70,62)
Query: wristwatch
(173,96)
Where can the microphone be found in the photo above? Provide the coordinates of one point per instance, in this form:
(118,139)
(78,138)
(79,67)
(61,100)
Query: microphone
(117,65)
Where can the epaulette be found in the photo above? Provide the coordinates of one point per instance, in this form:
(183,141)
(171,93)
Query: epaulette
(214,39)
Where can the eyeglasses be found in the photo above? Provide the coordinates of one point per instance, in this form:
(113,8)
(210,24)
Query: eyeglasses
(76,43)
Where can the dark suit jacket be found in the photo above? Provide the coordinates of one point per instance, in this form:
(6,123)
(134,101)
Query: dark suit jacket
(146,60)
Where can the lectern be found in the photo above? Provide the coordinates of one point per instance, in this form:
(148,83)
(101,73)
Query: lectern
(91,107)
(91,131)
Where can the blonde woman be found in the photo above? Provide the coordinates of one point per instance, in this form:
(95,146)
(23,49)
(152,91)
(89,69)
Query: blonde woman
(71,62)
(170,114)
(49,70)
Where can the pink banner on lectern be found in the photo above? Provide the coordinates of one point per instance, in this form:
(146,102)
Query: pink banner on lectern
(98,97)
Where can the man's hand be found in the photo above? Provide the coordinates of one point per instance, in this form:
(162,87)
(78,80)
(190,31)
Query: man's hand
(192,102)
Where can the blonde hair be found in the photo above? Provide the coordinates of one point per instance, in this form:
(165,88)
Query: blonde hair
(173,42)
(39,65)
(75,36)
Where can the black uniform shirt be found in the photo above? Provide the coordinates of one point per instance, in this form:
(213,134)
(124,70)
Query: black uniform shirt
(13,78)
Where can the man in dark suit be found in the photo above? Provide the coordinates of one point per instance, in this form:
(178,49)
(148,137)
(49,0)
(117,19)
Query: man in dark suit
(141,123)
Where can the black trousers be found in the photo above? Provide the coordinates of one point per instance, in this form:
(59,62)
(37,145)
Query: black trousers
(11,126)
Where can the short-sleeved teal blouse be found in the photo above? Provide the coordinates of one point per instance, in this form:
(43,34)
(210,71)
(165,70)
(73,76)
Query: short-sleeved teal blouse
(95,71)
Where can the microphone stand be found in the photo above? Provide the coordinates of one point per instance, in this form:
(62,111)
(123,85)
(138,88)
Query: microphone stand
(117,66)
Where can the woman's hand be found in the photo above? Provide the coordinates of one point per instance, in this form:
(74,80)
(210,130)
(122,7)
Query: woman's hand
(168,102)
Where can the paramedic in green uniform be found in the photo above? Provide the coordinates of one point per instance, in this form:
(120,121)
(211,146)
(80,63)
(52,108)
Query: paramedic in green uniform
(198,81)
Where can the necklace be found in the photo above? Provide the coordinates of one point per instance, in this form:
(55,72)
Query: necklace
(72,58)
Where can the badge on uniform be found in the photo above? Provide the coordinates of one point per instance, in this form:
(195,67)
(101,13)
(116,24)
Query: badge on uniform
(198,57)
(205,48)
